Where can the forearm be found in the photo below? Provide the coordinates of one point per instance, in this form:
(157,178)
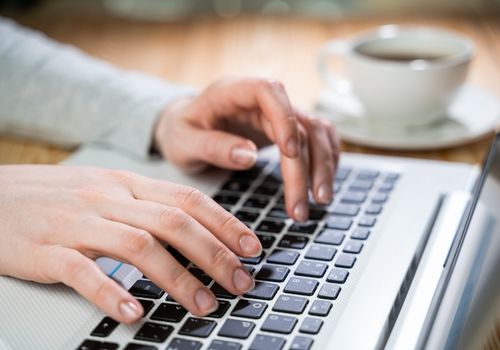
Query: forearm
(56,93)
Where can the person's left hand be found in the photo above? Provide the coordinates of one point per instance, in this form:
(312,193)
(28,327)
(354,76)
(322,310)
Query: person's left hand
(225,124)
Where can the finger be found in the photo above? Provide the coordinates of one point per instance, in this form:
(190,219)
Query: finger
(139,248)
(194,241)
(82,274)
(229,230)
(321,157)
(223,149)
(268,96)
(296,181)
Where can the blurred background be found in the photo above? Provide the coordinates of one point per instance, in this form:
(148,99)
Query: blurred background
(195,42)
(171,10)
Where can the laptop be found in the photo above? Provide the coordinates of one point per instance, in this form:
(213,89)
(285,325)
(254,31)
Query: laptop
(404,257)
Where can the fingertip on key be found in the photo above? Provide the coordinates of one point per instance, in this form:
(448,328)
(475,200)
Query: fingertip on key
(250,245)
(300,211)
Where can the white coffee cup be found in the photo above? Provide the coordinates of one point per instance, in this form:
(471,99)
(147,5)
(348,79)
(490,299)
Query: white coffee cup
(402,76)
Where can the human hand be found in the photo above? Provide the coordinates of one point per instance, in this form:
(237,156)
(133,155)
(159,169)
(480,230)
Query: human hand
(55,220)
(226,123)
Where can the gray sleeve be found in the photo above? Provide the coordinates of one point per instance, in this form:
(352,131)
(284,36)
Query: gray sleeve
(58,94)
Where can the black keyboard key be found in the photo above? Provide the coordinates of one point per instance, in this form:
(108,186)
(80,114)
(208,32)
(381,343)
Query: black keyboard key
(285,257)
(369,175)
(168,312)
(88,344)
(319,252)
(154,332)
(266,241)
(270,226)
(360,233)
(293,241)
(386,187)
(201,275)
(301,343)
(254,260)
(236,329)
(379,198)
(273,273)
(391,177)
(306,227)
(256,202)
(278,213)
(249,309)
(197,327)
(107,346)
(342,174)
(147,305)
(267,189)
(338,223)
(290,304)
(302,286)
(337,187)
(329,291)
(345,260)
(345,209)
(311,325)
(105,327)
(247,175)
(137,346)
(247,216)
(236,186)
(184,344)
(337,276)
(249,268)
(267,342)
(373,209)
(263,290)
(316,214)
(181,259)
(353,197)
(218,344)
(320,308)
(367,221)
(329,236)
(353,247)
(361,186)
(221,292)
(226,198)
(146,289)
(311,268)
(279,324)
(221,309)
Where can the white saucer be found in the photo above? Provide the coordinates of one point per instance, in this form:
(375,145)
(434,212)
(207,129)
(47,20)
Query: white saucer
(474,114)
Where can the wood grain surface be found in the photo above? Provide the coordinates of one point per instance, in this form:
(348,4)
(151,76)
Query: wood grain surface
(203,49)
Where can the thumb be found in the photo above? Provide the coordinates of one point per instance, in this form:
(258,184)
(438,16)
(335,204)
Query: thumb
(224,150)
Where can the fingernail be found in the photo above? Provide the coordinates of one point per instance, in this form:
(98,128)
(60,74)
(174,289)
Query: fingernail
(300,211)
(325,193)
(129,310)
(205,301)
(292,147)
(243,156)
(250,245)
(242,280)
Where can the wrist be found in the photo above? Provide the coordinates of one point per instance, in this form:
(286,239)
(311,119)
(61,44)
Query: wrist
(165,119)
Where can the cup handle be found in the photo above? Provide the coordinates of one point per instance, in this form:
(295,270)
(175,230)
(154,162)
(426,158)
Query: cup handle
(334,48)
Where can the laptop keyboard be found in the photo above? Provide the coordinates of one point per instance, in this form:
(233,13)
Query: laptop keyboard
(303,269)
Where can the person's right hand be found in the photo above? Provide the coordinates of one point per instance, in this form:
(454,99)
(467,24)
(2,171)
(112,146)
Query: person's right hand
(55,220)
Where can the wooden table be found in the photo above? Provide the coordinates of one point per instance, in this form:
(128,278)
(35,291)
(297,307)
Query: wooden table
(203,49)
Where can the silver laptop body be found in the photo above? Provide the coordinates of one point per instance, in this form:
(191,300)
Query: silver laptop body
(409,289)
